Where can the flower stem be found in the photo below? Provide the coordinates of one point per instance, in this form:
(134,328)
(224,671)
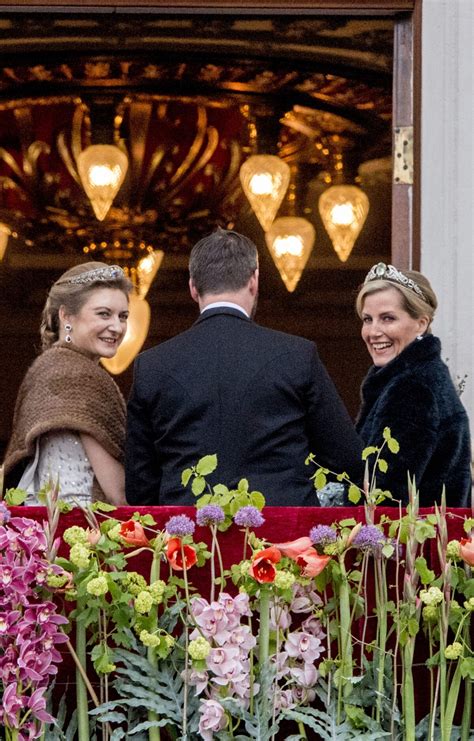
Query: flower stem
(345,667)
(264,629)
(81,673)
(154,733)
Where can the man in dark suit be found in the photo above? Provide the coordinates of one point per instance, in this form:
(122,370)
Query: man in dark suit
(262,400)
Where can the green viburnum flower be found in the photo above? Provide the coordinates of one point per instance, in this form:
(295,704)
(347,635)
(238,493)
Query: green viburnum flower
(149,639)
(469,604)
(455,607)
(135,583)
(431,596)
(106,668)
(97,586)
(169,640)
(284,579)
(114,532)
(244,568)
(430,613)
(331,549)
(57,580)
(143,602)
(452,550)
(454,651)
(157,590)
(199,649)
(75,534)
(80,555)
(70,595)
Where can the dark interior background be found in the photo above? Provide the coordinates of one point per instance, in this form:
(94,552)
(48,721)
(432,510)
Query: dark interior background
(296,86)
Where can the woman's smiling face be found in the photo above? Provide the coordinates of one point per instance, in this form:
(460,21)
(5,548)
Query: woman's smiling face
(100,325)
(387,328)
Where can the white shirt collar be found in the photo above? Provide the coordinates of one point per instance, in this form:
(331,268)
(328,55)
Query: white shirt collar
(228,304)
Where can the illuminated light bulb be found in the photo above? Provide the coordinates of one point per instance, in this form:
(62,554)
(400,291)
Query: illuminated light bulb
(290,240)
(102,169)
(265,179)
(342,214)
(343,210)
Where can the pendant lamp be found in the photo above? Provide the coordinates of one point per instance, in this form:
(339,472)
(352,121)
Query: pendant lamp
(265,179)
(290,240)
(343,210)
(102,169)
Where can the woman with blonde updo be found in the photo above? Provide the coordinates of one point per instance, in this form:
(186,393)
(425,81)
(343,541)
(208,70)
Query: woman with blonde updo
(69,420)
(409,389)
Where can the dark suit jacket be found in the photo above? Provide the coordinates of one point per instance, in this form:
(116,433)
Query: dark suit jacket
(260,399)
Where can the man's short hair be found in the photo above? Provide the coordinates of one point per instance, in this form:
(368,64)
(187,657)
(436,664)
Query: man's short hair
(222,261)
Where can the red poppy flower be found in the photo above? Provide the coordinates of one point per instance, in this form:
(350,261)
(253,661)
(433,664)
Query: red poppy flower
(132,533)
(174,554)
(466,550)
(262,568)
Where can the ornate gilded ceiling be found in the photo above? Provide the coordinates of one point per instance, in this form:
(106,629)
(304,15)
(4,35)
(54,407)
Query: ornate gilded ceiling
(189,98)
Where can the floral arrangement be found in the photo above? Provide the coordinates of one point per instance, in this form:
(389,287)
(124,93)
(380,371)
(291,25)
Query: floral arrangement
(318,637)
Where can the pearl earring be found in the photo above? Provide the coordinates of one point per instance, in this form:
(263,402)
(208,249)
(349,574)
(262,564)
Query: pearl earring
(67,329)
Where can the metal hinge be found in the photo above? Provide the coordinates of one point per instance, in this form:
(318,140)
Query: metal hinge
(403,155)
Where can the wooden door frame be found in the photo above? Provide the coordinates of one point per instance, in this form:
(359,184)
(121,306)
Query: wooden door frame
(406,196)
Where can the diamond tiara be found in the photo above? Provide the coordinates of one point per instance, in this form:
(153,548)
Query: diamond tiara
(113,272)
(381,271)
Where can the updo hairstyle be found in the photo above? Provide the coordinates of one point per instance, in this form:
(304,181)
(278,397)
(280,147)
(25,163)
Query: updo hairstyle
(412,303)
(73,296)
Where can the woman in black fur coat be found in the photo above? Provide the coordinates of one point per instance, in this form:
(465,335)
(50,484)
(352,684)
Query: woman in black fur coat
(409,390)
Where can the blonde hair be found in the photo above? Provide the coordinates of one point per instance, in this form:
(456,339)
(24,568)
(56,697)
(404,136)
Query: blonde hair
(412,302)
(73,296)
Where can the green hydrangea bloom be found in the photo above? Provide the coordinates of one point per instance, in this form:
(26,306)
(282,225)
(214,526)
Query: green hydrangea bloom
(199,649)
(135,583)
(469,604)
(452,550)
(430,613)
(75,534)
(80,556)
(57,580)
(431,596)
(149,639)
(157,590)
(97,586)
(454,651)
(143,602)
(284,579)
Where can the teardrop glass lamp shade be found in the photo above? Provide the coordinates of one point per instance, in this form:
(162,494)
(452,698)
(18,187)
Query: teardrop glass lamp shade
(290,240)
(265,179)
(147,268)
(343,210)
(137,330)
(102,169)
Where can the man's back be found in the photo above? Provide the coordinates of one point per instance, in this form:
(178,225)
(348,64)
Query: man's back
(260,399)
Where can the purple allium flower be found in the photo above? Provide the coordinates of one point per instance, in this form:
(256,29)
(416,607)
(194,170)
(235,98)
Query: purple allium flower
(322,535)
(180,525)
(369,537)
(5,515)
(249,517)
(210,514)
